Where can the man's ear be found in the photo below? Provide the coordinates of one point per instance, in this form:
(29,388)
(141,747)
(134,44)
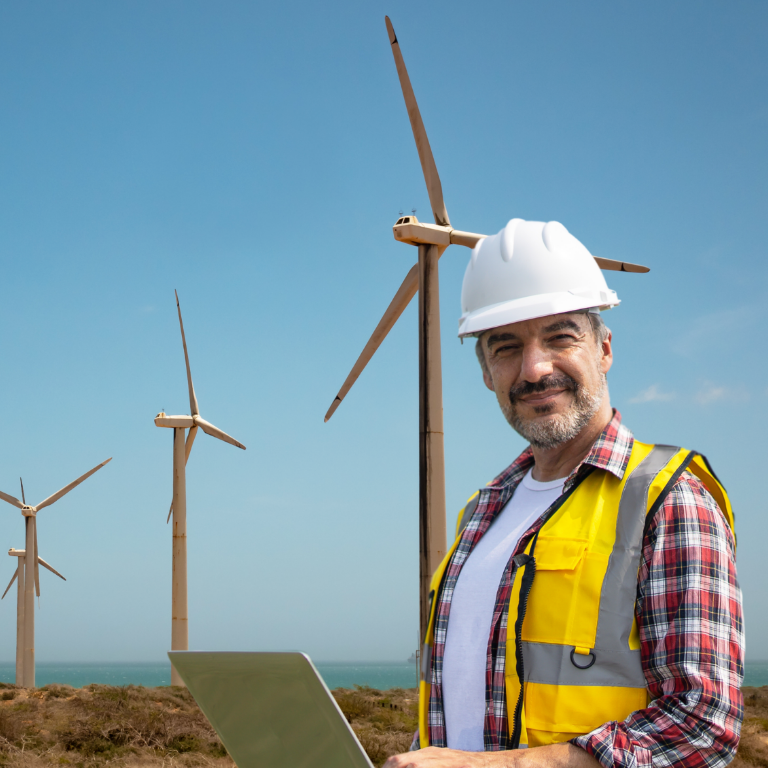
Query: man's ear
(483,360)
(606,349)
(487,375)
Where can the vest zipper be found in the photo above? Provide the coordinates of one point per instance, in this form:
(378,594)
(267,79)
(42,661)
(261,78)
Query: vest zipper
(528,562)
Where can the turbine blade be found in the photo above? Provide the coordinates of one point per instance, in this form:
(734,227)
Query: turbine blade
(209,429)
(22,491)
(11,500)
(50,568)
(170,511)
(619,266)
(10,583)
(405,293)
(36,561)
(187,450)
(192,399)
(191,435)
(434,187)
(67,488)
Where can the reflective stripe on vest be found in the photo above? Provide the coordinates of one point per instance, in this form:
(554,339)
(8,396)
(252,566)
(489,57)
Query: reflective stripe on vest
(573,652)
(619,665)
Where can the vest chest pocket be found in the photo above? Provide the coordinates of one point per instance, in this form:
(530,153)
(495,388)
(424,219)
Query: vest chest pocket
(565,597)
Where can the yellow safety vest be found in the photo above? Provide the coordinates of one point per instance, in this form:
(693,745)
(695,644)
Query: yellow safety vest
(573,649)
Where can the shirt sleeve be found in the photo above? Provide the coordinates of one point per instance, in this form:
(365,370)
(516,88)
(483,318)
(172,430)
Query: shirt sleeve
(689,618)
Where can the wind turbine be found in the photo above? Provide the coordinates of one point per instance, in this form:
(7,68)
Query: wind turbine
(30,573)
(181,451)
(19,574)
(431,240)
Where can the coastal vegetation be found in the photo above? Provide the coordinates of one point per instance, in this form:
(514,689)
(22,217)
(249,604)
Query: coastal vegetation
(131,726)
(384,721)
(753,748)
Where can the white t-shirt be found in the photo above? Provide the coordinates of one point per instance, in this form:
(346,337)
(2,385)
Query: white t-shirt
(469,624)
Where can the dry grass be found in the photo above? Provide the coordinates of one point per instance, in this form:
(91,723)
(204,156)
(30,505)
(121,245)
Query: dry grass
(753,748)
(99,724)
(384,721)
(131,726)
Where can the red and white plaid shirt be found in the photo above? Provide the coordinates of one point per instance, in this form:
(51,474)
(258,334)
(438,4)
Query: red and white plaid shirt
(688,613)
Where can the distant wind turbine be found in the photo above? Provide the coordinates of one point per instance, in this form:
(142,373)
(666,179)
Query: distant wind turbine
(31,573)
(19,574)
(181,450)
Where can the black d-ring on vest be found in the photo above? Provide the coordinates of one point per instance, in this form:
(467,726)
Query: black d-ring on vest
(573,661)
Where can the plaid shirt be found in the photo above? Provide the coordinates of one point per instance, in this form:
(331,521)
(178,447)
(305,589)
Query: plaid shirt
(688,612)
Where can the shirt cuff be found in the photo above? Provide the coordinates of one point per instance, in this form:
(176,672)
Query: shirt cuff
(613,749)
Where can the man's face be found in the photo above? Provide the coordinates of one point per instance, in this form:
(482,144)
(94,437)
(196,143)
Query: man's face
(548,375)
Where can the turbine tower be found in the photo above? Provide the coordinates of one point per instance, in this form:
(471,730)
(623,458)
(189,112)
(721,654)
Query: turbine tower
(30,573)
(181,450)
(431,240)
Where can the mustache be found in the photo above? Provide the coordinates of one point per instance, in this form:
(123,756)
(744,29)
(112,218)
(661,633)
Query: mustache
(560,381)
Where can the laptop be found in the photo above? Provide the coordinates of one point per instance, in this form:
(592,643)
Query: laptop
(271,710)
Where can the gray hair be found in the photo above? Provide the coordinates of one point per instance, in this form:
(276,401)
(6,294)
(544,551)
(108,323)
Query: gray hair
(599,329)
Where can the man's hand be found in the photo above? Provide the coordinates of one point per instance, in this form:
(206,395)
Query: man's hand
(552,756)
(433,757)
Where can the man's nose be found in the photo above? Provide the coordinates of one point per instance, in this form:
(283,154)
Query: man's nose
(537,364)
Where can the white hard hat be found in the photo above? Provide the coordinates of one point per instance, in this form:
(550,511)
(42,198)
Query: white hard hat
(530,269)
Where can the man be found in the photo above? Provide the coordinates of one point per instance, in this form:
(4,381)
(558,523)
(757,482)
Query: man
(589,609)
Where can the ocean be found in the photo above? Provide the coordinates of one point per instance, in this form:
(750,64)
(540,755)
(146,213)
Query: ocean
(380,675)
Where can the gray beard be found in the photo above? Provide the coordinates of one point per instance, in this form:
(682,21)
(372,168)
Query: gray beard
(545,434)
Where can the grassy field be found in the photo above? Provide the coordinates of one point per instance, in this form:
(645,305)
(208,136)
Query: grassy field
(133,726)
(753,748)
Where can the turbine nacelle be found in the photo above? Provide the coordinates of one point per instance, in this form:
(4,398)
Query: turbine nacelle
(408,229)
(174,422)
(28,511)
(188,422)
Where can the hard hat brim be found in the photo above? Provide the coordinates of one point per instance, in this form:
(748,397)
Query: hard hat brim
(532,307)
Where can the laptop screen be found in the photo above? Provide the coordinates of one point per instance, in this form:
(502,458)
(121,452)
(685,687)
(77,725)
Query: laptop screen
(270,709)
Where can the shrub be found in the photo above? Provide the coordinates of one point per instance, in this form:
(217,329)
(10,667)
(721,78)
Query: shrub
(10,727)
(184,742)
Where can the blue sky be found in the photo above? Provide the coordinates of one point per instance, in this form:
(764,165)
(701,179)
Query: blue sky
(254,156)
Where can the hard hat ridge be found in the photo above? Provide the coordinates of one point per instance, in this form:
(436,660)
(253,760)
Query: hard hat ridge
(529,269)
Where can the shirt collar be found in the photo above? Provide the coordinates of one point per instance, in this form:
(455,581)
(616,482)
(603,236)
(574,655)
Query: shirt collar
(610,452)
(612,449)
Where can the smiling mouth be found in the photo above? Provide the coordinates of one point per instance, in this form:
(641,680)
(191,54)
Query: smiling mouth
(541,398)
